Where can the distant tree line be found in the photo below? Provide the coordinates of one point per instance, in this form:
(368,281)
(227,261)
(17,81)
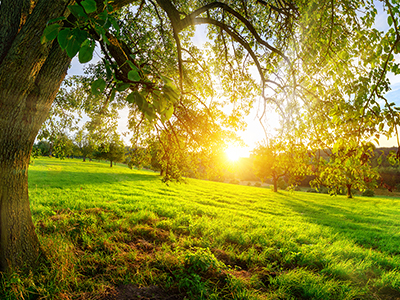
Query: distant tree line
(80,146)
(332,171)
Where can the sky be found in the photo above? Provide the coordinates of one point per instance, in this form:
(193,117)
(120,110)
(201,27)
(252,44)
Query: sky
(254,132)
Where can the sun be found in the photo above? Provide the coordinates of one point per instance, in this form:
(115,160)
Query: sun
(234,153)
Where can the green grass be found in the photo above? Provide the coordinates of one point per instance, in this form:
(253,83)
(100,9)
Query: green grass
(105,228)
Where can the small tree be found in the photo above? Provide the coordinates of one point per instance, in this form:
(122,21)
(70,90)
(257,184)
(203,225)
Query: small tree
(113,150)
(138,157)
(347,168)
(85,144)
(63,146)
(44,147)
(278,160)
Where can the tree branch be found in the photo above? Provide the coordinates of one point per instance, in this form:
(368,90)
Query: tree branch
(191,20)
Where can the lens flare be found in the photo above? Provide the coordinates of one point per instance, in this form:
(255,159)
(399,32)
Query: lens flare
(234,153)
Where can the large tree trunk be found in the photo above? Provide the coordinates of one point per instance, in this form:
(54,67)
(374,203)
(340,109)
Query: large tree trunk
(19,245)
(30,76)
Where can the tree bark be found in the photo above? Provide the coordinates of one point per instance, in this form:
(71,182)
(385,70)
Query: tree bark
(349,194)
(30,76)
(111,164)
(275,182)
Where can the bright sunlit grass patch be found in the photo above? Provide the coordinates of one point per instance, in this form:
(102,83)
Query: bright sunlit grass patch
(104,227)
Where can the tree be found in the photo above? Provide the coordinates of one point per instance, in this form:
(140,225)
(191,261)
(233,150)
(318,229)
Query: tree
(279,160)
(85,144)
(39,38)
(138,157)
(112,150)
(63,147)
(347,168)
(43,147)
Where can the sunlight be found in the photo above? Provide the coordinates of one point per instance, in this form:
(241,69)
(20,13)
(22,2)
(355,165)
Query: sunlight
(234,152)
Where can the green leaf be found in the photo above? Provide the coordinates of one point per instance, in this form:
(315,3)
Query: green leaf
(395,69)
(109,71)
(166,80)
(132,65)
(135,97)
(170,93)
(77,11)
(122,86)
(98,86)
(133,75)
(89,6)
(79,36)
(390,20)
(50,33)
(115,24)
(63,37)
(73,47)
(107,24)
(159,104)
(102,32)
(110,8)
(112,96)
(150,115)
(130,98)
(169,112)
(86,52)
(102,18)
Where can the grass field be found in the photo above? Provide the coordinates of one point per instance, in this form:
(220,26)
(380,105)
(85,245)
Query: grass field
(116,233)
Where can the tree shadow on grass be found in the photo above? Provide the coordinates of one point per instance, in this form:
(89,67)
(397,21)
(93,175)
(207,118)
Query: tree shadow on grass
(369,230)
(59,179)
(131,292)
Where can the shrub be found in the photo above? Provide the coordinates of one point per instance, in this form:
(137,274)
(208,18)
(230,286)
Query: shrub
(323,190)
(282,185)
(369,193)
(293,188)
(257,184)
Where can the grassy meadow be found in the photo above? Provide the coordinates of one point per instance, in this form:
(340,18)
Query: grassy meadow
(116,233)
